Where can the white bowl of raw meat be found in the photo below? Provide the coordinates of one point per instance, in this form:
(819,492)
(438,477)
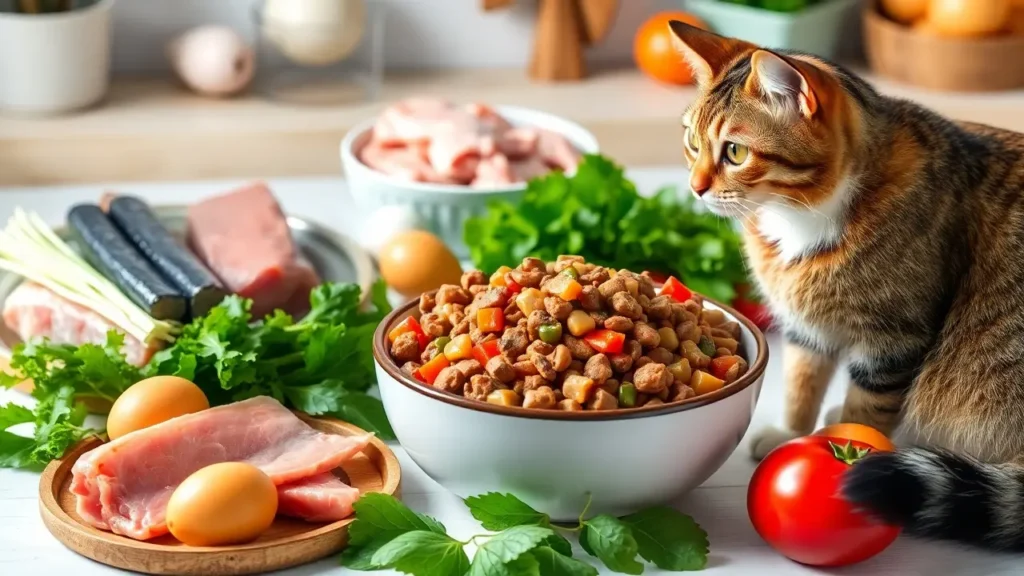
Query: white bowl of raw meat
(448,161)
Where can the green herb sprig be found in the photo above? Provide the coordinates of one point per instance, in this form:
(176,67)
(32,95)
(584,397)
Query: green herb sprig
(387,534)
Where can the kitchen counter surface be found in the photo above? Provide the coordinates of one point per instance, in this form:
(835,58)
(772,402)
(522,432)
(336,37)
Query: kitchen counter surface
(719,505)
(153,130)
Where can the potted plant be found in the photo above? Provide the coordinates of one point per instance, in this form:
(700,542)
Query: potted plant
(54,54)
(812,26)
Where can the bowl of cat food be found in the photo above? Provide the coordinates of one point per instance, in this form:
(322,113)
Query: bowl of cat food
(447,161)
(562,381)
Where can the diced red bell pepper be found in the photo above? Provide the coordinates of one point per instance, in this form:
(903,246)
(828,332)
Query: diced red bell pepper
(606,341)
(513,286)
(485,351)
(720,366)
(429,371)
(675,290)
(490,319)
(410,324)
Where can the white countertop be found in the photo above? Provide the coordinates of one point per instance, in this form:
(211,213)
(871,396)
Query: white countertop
(719,505)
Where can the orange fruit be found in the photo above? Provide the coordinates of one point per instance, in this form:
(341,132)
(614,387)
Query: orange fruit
(905,11)
(859,433)
(969,17)
(654,50)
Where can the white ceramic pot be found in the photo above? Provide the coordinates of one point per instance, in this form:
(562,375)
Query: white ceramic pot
(444,207)
(57,62)
(625,459)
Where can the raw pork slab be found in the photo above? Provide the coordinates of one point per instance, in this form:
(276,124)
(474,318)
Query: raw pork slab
(320,498)
(243,236)
(123,486)
(33,311)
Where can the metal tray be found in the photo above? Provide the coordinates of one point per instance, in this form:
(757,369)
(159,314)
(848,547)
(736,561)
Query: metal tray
(334,256)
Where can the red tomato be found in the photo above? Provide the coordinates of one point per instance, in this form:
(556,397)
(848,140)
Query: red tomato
(795,505)
(758,313)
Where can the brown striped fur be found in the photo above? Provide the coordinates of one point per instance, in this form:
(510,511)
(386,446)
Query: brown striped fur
(887,235)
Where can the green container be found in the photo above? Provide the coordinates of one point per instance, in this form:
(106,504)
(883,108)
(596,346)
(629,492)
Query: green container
(816,30)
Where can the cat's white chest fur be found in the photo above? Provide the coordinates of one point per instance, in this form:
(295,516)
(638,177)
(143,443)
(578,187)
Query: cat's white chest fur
(798,230)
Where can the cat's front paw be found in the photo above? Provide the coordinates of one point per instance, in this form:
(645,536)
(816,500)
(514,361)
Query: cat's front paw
(768,439)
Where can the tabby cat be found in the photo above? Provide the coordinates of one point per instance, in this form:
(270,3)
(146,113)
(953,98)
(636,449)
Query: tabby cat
(888,235)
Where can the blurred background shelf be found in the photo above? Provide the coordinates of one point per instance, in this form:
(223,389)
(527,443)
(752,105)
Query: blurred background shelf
(149,129)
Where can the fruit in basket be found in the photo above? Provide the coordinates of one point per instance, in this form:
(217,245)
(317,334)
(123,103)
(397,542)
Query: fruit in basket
(416,261)
(905,11)
(654,51)
(793,505)
(968,18)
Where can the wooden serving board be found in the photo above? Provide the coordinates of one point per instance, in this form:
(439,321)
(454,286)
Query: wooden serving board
(287,543)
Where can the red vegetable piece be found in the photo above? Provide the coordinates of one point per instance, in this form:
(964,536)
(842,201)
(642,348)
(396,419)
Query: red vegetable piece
(606,341)
(485,351)
(675,289)
(410,324)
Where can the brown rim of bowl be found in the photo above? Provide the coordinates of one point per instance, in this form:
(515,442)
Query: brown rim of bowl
(383,359)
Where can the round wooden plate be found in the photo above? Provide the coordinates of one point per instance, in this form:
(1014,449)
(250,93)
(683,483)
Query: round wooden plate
(288,542)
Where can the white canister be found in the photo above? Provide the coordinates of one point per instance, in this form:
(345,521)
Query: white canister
(55,62)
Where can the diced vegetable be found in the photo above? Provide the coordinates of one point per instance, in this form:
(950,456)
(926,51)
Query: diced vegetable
(485,351)
(459,348)
(550,333)
(578,388)
(580,323)
(669,339)
(572,272)
(707,346)
(513,286)
(410,324)
(728,368)
(675,290)
(565,287)
(681,370)
(606,341)
(703,383)
(498,278)
(429,371)
(627,395)
(633,287)
(529,300)
(490,319)
(441,342)
(505,398)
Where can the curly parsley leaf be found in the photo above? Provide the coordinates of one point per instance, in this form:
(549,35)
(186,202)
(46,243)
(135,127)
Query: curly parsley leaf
(423,553)
(669,539)
(552,563)
(497,511)
(496,556)
(611,540)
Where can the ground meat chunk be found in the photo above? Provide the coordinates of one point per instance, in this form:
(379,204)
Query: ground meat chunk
(469,367)
(493,297)
(473,278)
(641,361)
(534,382)
(625,305)
(540,347)
(688,331)
(524,368)
(410,368)
(526,278)
(652,378)
(598,369)
(599,275)
(544,367)
(576,366)
(477,289)
(660,308)
(680,392)
(479,387)
(621,363)
(634,349)
(451,380)
(580,350)
(619,324)
(500,369)
(429,352)
(535,320)
(452,294)
(406,347)
(531,264)
(561,358)
(611,287)
(435,325)
(427,303)
(461,328)
(559,309)
(569,405)
(600,317)
(611,386)
(646,335)
(660,355)
(513,342)
(590,299)
(542,398)
(602,400)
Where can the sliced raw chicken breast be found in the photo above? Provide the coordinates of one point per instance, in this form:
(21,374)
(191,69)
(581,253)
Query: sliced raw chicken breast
(320,498)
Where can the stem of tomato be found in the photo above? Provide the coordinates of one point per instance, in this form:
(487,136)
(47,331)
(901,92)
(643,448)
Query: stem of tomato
(848,454)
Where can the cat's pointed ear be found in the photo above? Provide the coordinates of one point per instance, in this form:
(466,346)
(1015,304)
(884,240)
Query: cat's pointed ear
(708,54)
(787,82)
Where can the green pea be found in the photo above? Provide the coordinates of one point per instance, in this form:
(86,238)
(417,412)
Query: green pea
(572,272)
(706,345)
(550,333)
(627,395)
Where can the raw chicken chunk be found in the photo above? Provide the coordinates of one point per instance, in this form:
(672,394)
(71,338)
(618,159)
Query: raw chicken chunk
(321,498)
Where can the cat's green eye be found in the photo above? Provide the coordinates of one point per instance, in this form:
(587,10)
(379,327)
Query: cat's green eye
(735,153)
(691,139)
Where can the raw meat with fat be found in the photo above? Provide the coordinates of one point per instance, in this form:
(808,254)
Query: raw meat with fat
(320,498)
(123,486)
(243,236)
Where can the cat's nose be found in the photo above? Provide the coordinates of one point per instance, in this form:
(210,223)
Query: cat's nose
(700,183)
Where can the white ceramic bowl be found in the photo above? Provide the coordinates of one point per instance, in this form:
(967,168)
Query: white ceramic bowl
(444,207)
(626,459)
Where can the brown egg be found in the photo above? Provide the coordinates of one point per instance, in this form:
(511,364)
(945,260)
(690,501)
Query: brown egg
(415,261)
(152,401)
(226,503)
